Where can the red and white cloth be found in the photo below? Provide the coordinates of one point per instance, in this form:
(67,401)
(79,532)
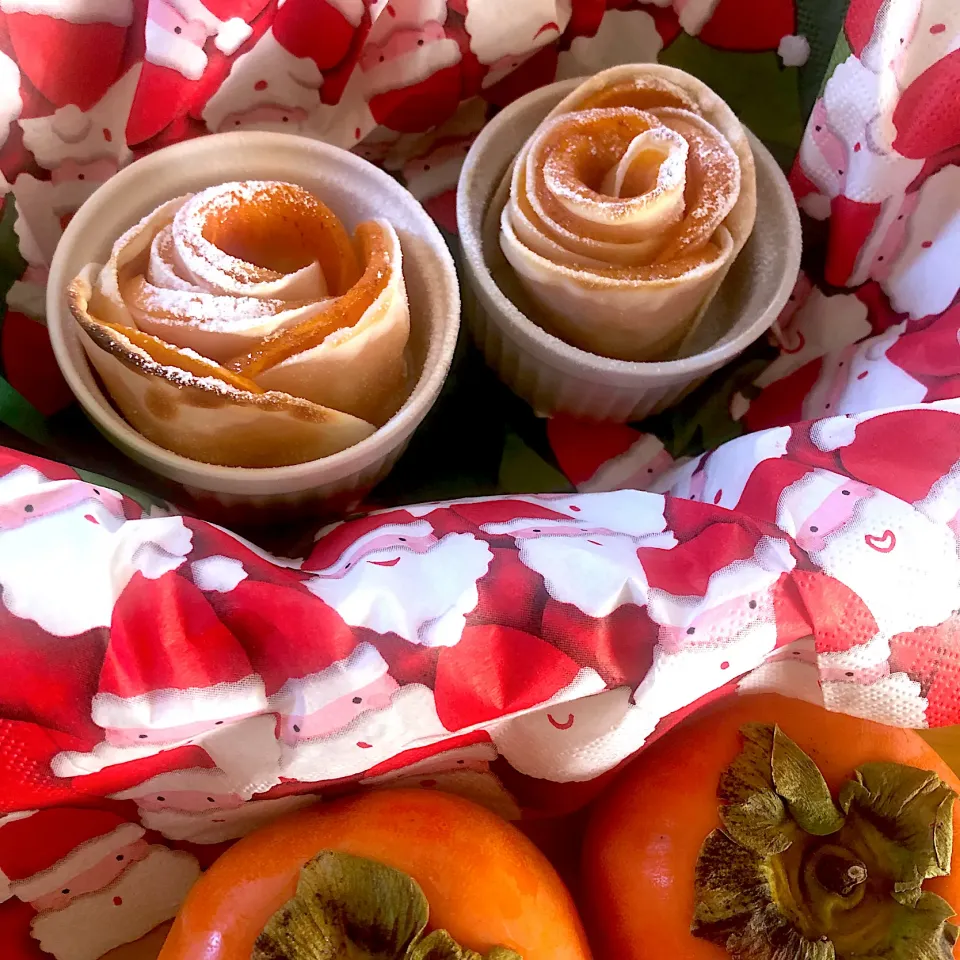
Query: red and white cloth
(168,687)
(567,631)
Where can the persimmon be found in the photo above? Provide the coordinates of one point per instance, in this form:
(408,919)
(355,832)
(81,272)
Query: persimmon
(723,840)
(483,882)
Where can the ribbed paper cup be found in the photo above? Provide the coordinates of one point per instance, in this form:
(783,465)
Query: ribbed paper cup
(355,190)
(555,377)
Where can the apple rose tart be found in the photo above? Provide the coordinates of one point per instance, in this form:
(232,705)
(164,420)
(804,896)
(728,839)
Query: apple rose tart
(243,326)
(626,208)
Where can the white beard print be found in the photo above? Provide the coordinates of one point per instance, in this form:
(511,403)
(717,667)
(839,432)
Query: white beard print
(217,825)
(678,679)
(410,721)
(904,567)
(895,700)
(65,572)
(595,572)
(574,741)
(150,891)
(423,597)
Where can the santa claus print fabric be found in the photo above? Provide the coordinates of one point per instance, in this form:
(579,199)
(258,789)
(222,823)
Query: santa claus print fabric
(169,686)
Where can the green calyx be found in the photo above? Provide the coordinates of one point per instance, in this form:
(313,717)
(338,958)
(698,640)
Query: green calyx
(794,874)
(350,908)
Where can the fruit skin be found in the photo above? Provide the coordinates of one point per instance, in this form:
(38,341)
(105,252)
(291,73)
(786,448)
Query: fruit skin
(485,882)
(645,834)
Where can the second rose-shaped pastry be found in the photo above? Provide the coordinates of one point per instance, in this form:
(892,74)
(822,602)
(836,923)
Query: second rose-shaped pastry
(243,326)
(627,207)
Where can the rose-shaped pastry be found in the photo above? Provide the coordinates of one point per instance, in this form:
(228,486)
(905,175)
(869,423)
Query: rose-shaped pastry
(626,208)
(243,326)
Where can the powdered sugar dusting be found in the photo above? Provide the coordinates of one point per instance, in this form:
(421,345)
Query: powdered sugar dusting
(615,221)
(219,324)
(206,310)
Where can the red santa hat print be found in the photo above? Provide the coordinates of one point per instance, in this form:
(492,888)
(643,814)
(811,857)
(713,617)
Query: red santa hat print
(606,456)
(904,452)
(93,880)
(322,31)
(268,87)
(166,679)
(42,853)
(354,535)
(178,29)
(71,50)
(176,57)
(496,671)
(411,74)
(335,674)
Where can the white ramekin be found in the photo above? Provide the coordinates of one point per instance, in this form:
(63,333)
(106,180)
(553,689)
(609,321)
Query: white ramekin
(355,190)
(554,377)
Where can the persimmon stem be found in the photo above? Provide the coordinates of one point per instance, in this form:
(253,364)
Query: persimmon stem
(840,874)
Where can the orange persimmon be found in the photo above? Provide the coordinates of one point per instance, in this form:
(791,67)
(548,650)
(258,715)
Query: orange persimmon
(484,882)
(648,872)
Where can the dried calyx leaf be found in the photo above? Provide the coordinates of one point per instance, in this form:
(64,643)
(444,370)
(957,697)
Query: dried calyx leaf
(794,876)
(439,945)
(351,907)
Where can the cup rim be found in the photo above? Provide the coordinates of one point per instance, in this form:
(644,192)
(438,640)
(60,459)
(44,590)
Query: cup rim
(550,348)
(236,479)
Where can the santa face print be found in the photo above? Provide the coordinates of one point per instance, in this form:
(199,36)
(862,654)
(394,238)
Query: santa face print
(823,156)
(499,29)
(70,538)
(475,758)
(189,801)
(97,877)
(173,41)
(53,497)
(861,377)
(236,818)
(268,88)
(836,511)
(681,676)
(790,670)
(822,325)
(573,741)
(82,150)
(333,716)
(273,117)
(167,736)
(923,280)
(373,737)
(147,893)
(407,57)
(382,584)
(715,625)
(904,567)
(624,36)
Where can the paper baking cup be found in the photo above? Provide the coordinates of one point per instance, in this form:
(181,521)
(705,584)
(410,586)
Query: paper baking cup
(554,377)
(355,190)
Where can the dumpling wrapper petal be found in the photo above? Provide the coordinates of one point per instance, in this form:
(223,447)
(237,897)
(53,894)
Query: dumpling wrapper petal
(210,418)
(185,315)
(642,297)
(261,214)
(710,106)
(608,317)
(360,369)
